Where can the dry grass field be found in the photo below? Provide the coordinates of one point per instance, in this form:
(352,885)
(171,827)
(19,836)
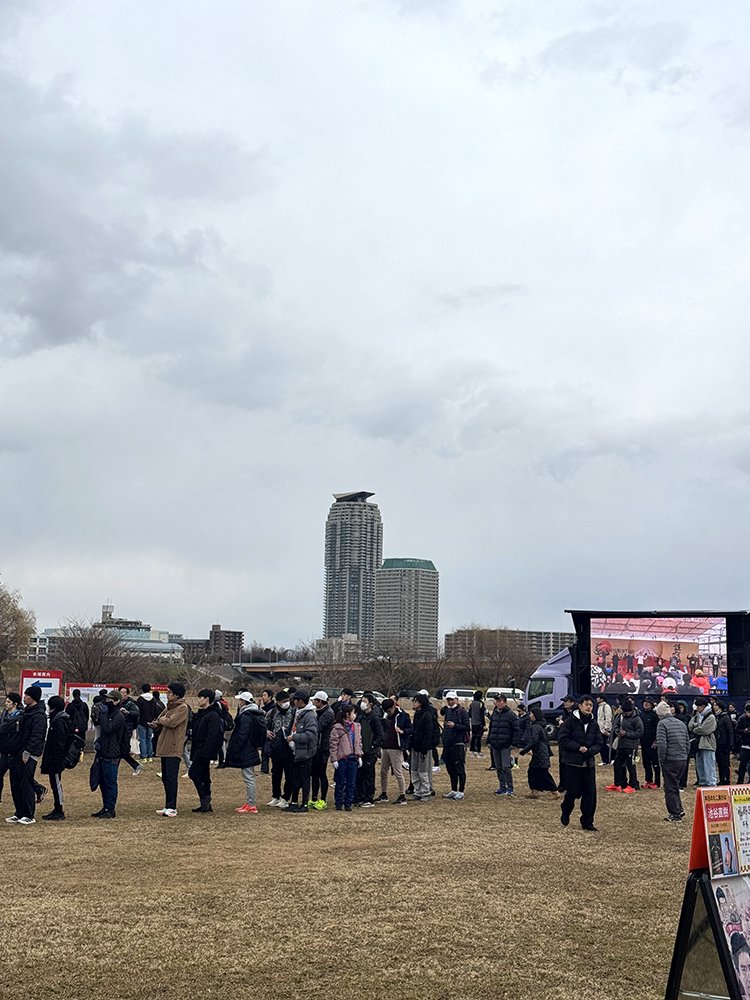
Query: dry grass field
(487,897)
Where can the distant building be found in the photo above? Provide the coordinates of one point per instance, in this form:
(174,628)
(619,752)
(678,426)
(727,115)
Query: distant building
(353,554)
(540,645)
(222,644)
(406,607)
(338,649)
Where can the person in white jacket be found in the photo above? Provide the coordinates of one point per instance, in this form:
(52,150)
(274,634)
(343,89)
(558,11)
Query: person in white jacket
(604,721)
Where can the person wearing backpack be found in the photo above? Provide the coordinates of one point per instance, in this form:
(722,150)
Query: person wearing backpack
(78,711)
(132,714)
(9,733)
(33,731)
(59,735)
(279,721)
(208,735)
(245,744)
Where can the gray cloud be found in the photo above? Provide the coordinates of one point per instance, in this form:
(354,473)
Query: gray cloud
(482,295)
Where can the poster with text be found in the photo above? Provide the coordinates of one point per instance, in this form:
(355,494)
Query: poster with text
(741,816)
(722,850)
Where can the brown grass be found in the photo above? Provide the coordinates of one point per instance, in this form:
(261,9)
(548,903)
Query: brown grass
(450,900)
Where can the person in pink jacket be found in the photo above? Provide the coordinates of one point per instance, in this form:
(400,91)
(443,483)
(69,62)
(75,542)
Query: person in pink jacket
(345,753)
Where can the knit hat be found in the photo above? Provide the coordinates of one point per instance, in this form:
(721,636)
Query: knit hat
(663,710)
(301,694)
(34,692)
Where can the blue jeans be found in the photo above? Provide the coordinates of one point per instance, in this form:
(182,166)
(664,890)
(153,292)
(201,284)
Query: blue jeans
(108,785)
(705,766)
(345,776)
(145,742)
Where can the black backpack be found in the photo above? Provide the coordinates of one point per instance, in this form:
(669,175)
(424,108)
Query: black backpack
(74,752)
(10,735)
(258,733)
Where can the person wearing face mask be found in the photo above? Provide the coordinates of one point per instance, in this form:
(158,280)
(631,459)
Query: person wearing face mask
(456,725)
(373,738)
(279,721)
(703,725)
(627,732)
(303,741)
(9,730)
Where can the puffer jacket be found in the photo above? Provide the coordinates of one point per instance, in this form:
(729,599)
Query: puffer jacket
(703,725)
(422,731)
(208,733)
(58,737)
(325,723)
(503,732)
(649,719)
(577,732)
(111,732)
(373,733)
(241,751)
(340,741)
(672,740)
(538,746)
(632,726)
(33,730)
(305,733)
(457,732)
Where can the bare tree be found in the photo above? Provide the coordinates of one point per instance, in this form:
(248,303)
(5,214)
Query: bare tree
(86,652)
(17,626)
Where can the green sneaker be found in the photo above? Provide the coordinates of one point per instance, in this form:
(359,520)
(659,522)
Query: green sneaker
(321,804)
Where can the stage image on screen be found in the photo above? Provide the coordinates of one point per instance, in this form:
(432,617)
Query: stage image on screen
(650,655)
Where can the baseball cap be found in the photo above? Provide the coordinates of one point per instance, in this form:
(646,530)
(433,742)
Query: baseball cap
(320,696)
(451,694)
(244,696)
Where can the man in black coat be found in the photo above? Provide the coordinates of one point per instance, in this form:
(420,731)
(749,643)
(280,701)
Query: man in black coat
(649,753)
(78,712)
(579,743)
(245,743)
(109,749)
(724,742)
(502,737)
(23,763)
(208,736)
(53,759)
(318,770)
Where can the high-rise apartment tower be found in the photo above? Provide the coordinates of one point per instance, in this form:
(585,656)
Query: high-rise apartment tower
(353,554)
(406,608)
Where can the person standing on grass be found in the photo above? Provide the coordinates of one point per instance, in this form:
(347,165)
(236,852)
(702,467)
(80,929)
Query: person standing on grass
(477,716)
(524,728)
(319,766)
(172,728)
(23,762)
(724,742)
(649,753)
(345,753)
(604,721)
(373,738)
(742,737)
(9,729)
(208,735)
(627,731)
(78,712)
(245,744)
(267,704)
(421,747)
(673,748)
(132,713)
(303,742)
(456,726)
(568,706)
(59,735)
(108,746)
(703,726)
(580,741)
(502,737)
(539,776)
(148,711)
(397,731)
(279,722)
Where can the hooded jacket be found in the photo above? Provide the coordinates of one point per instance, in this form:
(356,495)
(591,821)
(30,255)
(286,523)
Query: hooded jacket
(577,732)
(241,749)
(112,732)
(325,724)
(173,723)
(78,713)
(58,738)
(305,733)
(456,733)
(632,726)
(703,725)
(149,708)
(340,744)
(33,730)
(208,733)
(538,746)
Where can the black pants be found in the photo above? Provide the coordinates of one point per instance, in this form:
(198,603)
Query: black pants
(540,779)
(455,763)
(281,770)
(319,777)
(651,769)
(605,749)
(580,784)
(435,758)
(366,779)
(200,775)
(130,759)
(476,739)
(301,780)
(4,768)
(744,765)
(723,766)
(170,773)
(625,770)
(22,786)
(265,758)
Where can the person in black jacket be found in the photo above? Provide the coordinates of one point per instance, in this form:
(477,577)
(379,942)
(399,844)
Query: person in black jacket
(318,770)
(245,744)
(78,712)
(59,736)
(132,714)
(373,738)
(579,743)
(502,737)
(208,735)
(11,711)
(742,743)
(108,749)
(422,735)
(24,761)
(539,777)
(724,742)
(649,753)
(456,725)
(149,710)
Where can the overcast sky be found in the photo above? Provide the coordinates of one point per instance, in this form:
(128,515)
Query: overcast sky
(488,260)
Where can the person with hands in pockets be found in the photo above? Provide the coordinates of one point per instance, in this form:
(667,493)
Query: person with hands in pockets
(345,753)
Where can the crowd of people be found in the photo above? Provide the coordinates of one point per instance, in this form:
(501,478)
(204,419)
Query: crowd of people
(624,671)
(302,741)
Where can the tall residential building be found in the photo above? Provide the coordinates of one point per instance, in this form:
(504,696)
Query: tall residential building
(406,607)
(353,554)
(223,643)
(541,645)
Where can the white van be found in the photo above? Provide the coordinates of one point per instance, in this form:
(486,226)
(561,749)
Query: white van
(515,693)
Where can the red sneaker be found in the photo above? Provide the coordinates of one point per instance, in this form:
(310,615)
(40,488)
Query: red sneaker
(612,788)
(628,790)
(245,809)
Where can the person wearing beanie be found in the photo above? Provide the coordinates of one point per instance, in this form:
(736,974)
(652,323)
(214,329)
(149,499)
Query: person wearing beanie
(172,728)
(649,755)
(703,725)
(303,742)
(627,732)
(673,749)
(53,759)
(108,747)
(23,761)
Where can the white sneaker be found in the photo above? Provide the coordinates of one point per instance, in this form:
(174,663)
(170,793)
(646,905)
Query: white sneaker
(11,819)
(274,802)
(449,795)
(161,812)
(406,766)
(436,770)
(283,804)
(169,813)
(368,805)
(26,820)
(137,771)
(458,795)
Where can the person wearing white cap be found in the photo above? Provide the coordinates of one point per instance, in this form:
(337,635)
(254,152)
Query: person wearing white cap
(243,749)
(318,771)
(456,725)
